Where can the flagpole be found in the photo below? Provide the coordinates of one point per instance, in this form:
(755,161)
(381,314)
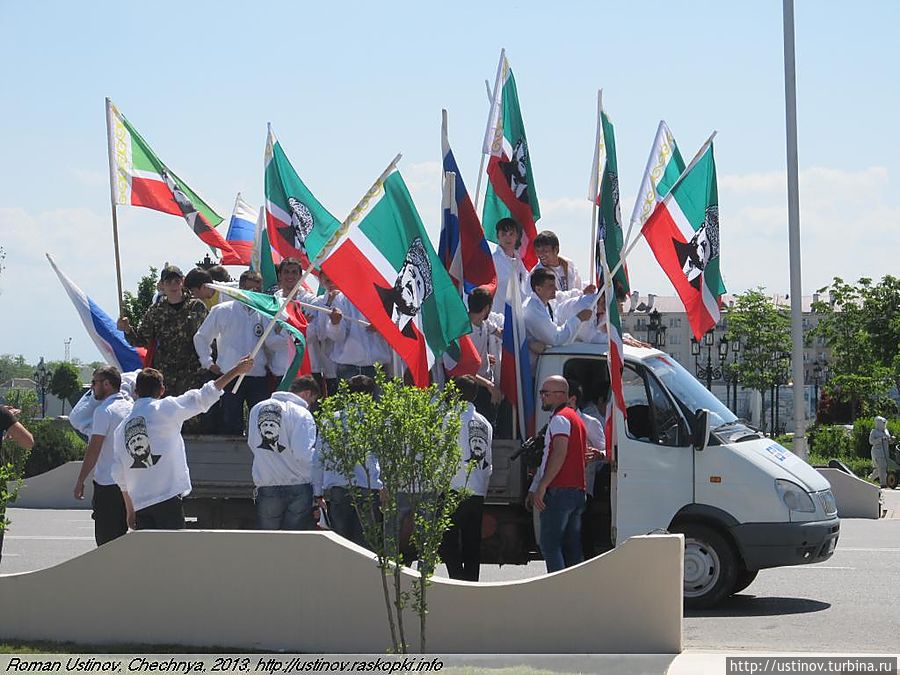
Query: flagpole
(595,207)
(687,169)
(487,130)
(324,253)
(112,204)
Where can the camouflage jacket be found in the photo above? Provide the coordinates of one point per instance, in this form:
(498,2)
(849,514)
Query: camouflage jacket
(172,328)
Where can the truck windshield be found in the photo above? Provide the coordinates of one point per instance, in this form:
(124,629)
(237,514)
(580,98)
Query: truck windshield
(688,391)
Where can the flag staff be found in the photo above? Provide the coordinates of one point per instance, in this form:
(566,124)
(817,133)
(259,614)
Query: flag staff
(595,188)
(112,204)
(493,112)
(324,253)
(684,173)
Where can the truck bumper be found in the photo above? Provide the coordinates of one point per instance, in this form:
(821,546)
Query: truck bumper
(765,545)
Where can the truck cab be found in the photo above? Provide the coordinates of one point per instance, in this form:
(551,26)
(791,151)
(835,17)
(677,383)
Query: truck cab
(683,462)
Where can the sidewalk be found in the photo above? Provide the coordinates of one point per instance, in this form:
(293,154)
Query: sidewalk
(891,499)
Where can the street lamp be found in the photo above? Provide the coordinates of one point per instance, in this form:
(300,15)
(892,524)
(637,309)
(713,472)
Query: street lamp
(656,332)
(778,359)
(42,379)
(709,372)
(819,368)
(730,372)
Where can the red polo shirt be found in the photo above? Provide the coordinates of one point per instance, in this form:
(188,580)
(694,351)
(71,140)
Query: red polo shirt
(566,422)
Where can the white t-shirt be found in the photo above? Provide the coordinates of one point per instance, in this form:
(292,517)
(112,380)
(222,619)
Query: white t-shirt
(150,463)
(567,277)
(236,329)
(281,433)
(107,417)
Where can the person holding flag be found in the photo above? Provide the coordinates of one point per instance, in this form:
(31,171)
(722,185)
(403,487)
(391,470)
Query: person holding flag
(508,262)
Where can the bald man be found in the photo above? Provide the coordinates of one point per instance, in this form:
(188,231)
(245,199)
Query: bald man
(560,495)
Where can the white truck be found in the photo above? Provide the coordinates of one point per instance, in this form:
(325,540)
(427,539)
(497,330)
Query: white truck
(683,463)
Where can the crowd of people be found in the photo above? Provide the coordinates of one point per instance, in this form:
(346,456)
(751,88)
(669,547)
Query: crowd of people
(200,343)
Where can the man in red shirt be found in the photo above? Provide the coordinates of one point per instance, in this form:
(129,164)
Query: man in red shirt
(560,494)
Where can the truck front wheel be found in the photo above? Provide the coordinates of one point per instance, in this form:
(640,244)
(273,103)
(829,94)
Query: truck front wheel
(710,566)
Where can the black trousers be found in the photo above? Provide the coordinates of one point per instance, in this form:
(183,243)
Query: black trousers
(167,515)
(110,519)
(461,546)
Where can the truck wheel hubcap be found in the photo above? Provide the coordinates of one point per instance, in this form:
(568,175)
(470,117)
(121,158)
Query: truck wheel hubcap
(701,567)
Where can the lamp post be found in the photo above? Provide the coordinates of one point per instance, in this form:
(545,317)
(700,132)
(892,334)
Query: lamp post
(709,372)
(730,374)
(656,332)
(42,379)
(778,360)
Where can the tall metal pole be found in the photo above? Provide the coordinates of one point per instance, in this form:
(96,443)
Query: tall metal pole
(790,105)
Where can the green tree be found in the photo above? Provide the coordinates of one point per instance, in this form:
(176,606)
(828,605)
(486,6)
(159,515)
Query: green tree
(65,383)
(415,432)
(135,305)
(764,331)
(861,324)
(14,366)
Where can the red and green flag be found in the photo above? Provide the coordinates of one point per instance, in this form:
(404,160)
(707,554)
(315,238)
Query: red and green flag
(510,190)
(292,320)
(297,223)
(389,270)
(683,233)
(664,166)
(139,178)
(604,191)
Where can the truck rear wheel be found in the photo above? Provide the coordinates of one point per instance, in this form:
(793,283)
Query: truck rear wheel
(710,566)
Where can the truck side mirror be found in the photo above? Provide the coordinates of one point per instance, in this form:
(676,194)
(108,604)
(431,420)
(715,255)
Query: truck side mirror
(700,433)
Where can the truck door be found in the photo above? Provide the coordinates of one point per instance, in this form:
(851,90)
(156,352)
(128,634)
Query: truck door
(655,462)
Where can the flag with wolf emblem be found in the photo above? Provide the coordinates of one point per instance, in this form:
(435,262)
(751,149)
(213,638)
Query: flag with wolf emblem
(683,233)
(298,225)
(389,270)
(510,190)
(139,178)
(604,191)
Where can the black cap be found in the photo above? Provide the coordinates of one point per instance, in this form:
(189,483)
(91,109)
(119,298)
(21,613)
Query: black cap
(170,272)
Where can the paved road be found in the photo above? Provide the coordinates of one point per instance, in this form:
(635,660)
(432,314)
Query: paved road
(847,604)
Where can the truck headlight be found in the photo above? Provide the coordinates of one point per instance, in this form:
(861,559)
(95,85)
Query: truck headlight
(794,496)
(828,503)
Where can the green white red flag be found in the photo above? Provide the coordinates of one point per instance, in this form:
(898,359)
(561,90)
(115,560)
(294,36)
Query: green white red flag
(389,270)
(298,225)
(664,166)
(510,190)
(292,320)
(139,178)
(683,233)
(604,191)
(261,258)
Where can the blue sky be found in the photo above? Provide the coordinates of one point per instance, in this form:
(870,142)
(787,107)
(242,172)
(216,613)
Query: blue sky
(347,85)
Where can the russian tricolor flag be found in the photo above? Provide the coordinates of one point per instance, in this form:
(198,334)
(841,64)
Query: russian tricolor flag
(102,329)
(515,365)
(462,248)
(240,235)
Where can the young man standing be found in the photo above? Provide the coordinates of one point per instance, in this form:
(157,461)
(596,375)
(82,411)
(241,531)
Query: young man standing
(170,325)
(542,313)
(560,494)
(150,462)
(461,546)
(108,506)
(546,247)
(235,327)
(508,263)
(282,437)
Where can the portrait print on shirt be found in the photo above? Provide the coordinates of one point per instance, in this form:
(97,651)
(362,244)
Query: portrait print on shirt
(269,425)
(413,285)
(137,443)
(478,443)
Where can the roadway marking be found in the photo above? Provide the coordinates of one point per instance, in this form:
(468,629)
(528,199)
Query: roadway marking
(42,538)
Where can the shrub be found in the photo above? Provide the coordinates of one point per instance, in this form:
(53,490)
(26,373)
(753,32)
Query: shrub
(54,445)
(861,429)
(832,441)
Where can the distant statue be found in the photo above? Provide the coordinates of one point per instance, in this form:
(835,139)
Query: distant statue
(880,438)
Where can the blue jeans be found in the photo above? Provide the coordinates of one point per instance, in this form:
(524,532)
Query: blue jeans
(345,371)
(344,518)
(561,528)
(252,391)
(285,507)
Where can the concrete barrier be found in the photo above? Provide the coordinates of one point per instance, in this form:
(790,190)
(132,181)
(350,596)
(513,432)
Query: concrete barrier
(53,490)
(315,592)
(855,497)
